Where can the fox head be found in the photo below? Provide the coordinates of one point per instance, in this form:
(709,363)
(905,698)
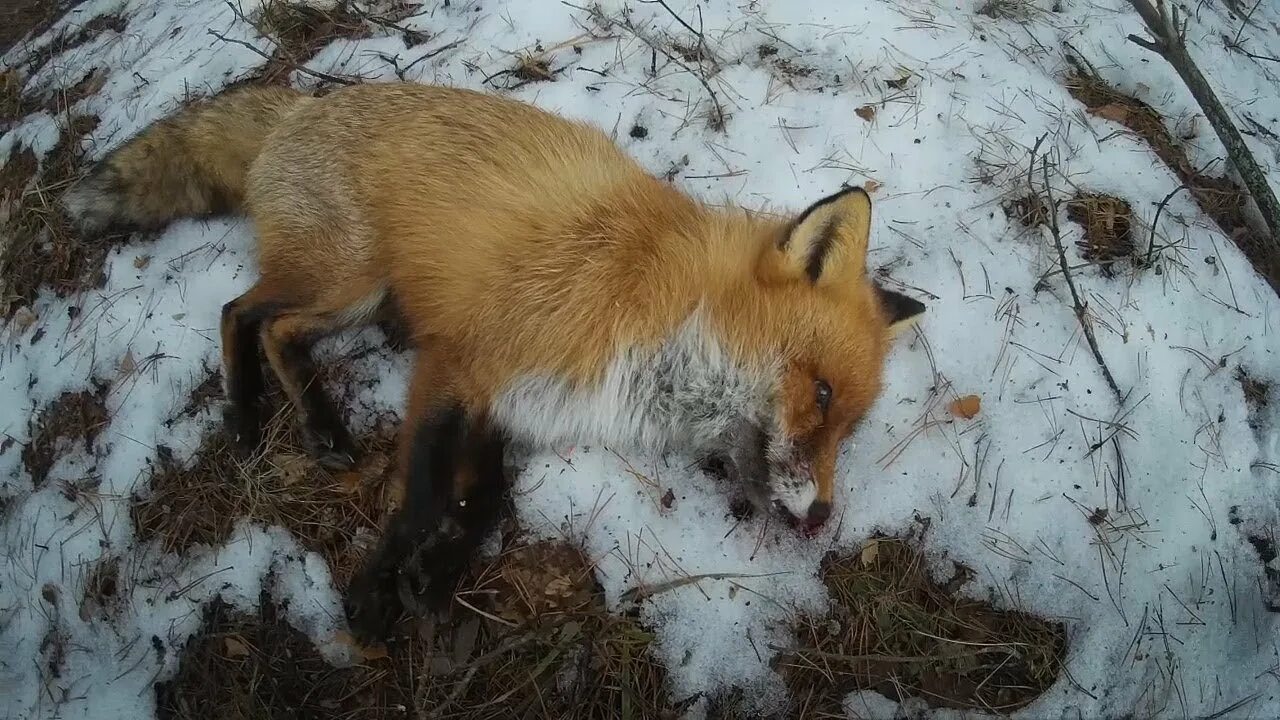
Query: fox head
(817,329)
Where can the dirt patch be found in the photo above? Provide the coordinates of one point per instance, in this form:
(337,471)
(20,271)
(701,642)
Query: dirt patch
(896,631)
(301,31)
(44,251)
(18,18)
(102,591)
(547,648)
(1257,393)
(1108,229)
(15,176)
(1030,210)
(337,516)
(60,101)
(1218,197)
(73,417)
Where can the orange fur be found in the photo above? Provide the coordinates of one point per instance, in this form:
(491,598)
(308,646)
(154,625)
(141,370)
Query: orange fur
(516,242)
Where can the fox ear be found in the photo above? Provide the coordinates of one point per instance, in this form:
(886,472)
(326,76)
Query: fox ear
(827,243)
(901,311)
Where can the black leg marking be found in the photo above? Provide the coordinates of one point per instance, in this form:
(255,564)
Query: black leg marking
(393,325)
(324,434)
(431,540)
(244,378)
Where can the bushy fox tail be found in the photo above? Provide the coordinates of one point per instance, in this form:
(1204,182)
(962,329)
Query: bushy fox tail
(191,164)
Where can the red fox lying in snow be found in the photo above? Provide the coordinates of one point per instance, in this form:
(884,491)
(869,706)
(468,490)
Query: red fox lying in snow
(556,293)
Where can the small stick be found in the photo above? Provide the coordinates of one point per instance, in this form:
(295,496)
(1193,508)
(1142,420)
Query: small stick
(1079,307)
(286,63)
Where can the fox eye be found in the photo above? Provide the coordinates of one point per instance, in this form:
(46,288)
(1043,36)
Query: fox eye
(822,395)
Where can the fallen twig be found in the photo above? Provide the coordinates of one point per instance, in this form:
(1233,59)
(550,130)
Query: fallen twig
(1168,34)
(292,66)
(1078,306)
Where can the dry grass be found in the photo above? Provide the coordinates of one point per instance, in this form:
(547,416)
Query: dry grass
(545,647)
(102,590)
(1108,229)
(896,631)
(301,31)
(43,250)
(1257,393)
(1218,197)
(1029,210)
(337,516)
(73,417)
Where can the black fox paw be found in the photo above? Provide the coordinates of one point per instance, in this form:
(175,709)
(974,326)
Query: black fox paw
(332,448)
(419,581)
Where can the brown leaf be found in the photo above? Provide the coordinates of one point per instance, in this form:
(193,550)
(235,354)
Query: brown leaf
(668,499)
(1115,112)
(870,552)
(142,261)
(966,407)
(871,186)
(234,647)
(866,112)
(23,319)
(128,364)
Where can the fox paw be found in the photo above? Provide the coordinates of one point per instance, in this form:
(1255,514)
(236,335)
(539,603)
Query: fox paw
(332,448)
(419,581)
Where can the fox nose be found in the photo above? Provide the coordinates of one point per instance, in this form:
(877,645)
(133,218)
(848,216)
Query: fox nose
(819,513)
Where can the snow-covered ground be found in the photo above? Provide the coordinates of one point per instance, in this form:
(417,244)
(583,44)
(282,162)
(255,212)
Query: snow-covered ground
(1164,598)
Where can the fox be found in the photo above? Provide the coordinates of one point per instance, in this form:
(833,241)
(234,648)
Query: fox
(554,292)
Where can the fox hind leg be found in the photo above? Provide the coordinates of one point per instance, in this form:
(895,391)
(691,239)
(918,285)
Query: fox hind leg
(287,340)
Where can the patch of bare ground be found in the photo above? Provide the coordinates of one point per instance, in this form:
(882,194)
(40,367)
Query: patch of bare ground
(73,417)
(15,101)
(102,590)
(43,250)
(198,503)
(896,631)
(1218,197)
(1108,225)
(299,32)
(532,640)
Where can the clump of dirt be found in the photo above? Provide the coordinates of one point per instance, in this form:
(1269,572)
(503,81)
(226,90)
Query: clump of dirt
(1257,393)
(73,417)
(1108,229)
(44,250)
(335,515)
(15,176)
(202,396)
(896,631)
(102,591)
(60,101)
(1218,197)
(1030,210)
(542,645)
(72,37)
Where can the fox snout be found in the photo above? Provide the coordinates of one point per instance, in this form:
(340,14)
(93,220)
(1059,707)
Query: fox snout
(786,485)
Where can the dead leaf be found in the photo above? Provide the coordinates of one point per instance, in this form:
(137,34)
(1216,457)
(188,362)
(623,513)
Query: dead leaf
(866,112)
(23,318)
(375,652)
(966,407)
(870,552)
(234,648)
(128,364)
(142,261)
(900,82)
(1115,112)
(292,467)
(871,186)
(668,499)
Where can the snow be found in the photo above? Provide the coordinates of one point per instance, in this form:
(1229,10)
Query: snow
(1165,601)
